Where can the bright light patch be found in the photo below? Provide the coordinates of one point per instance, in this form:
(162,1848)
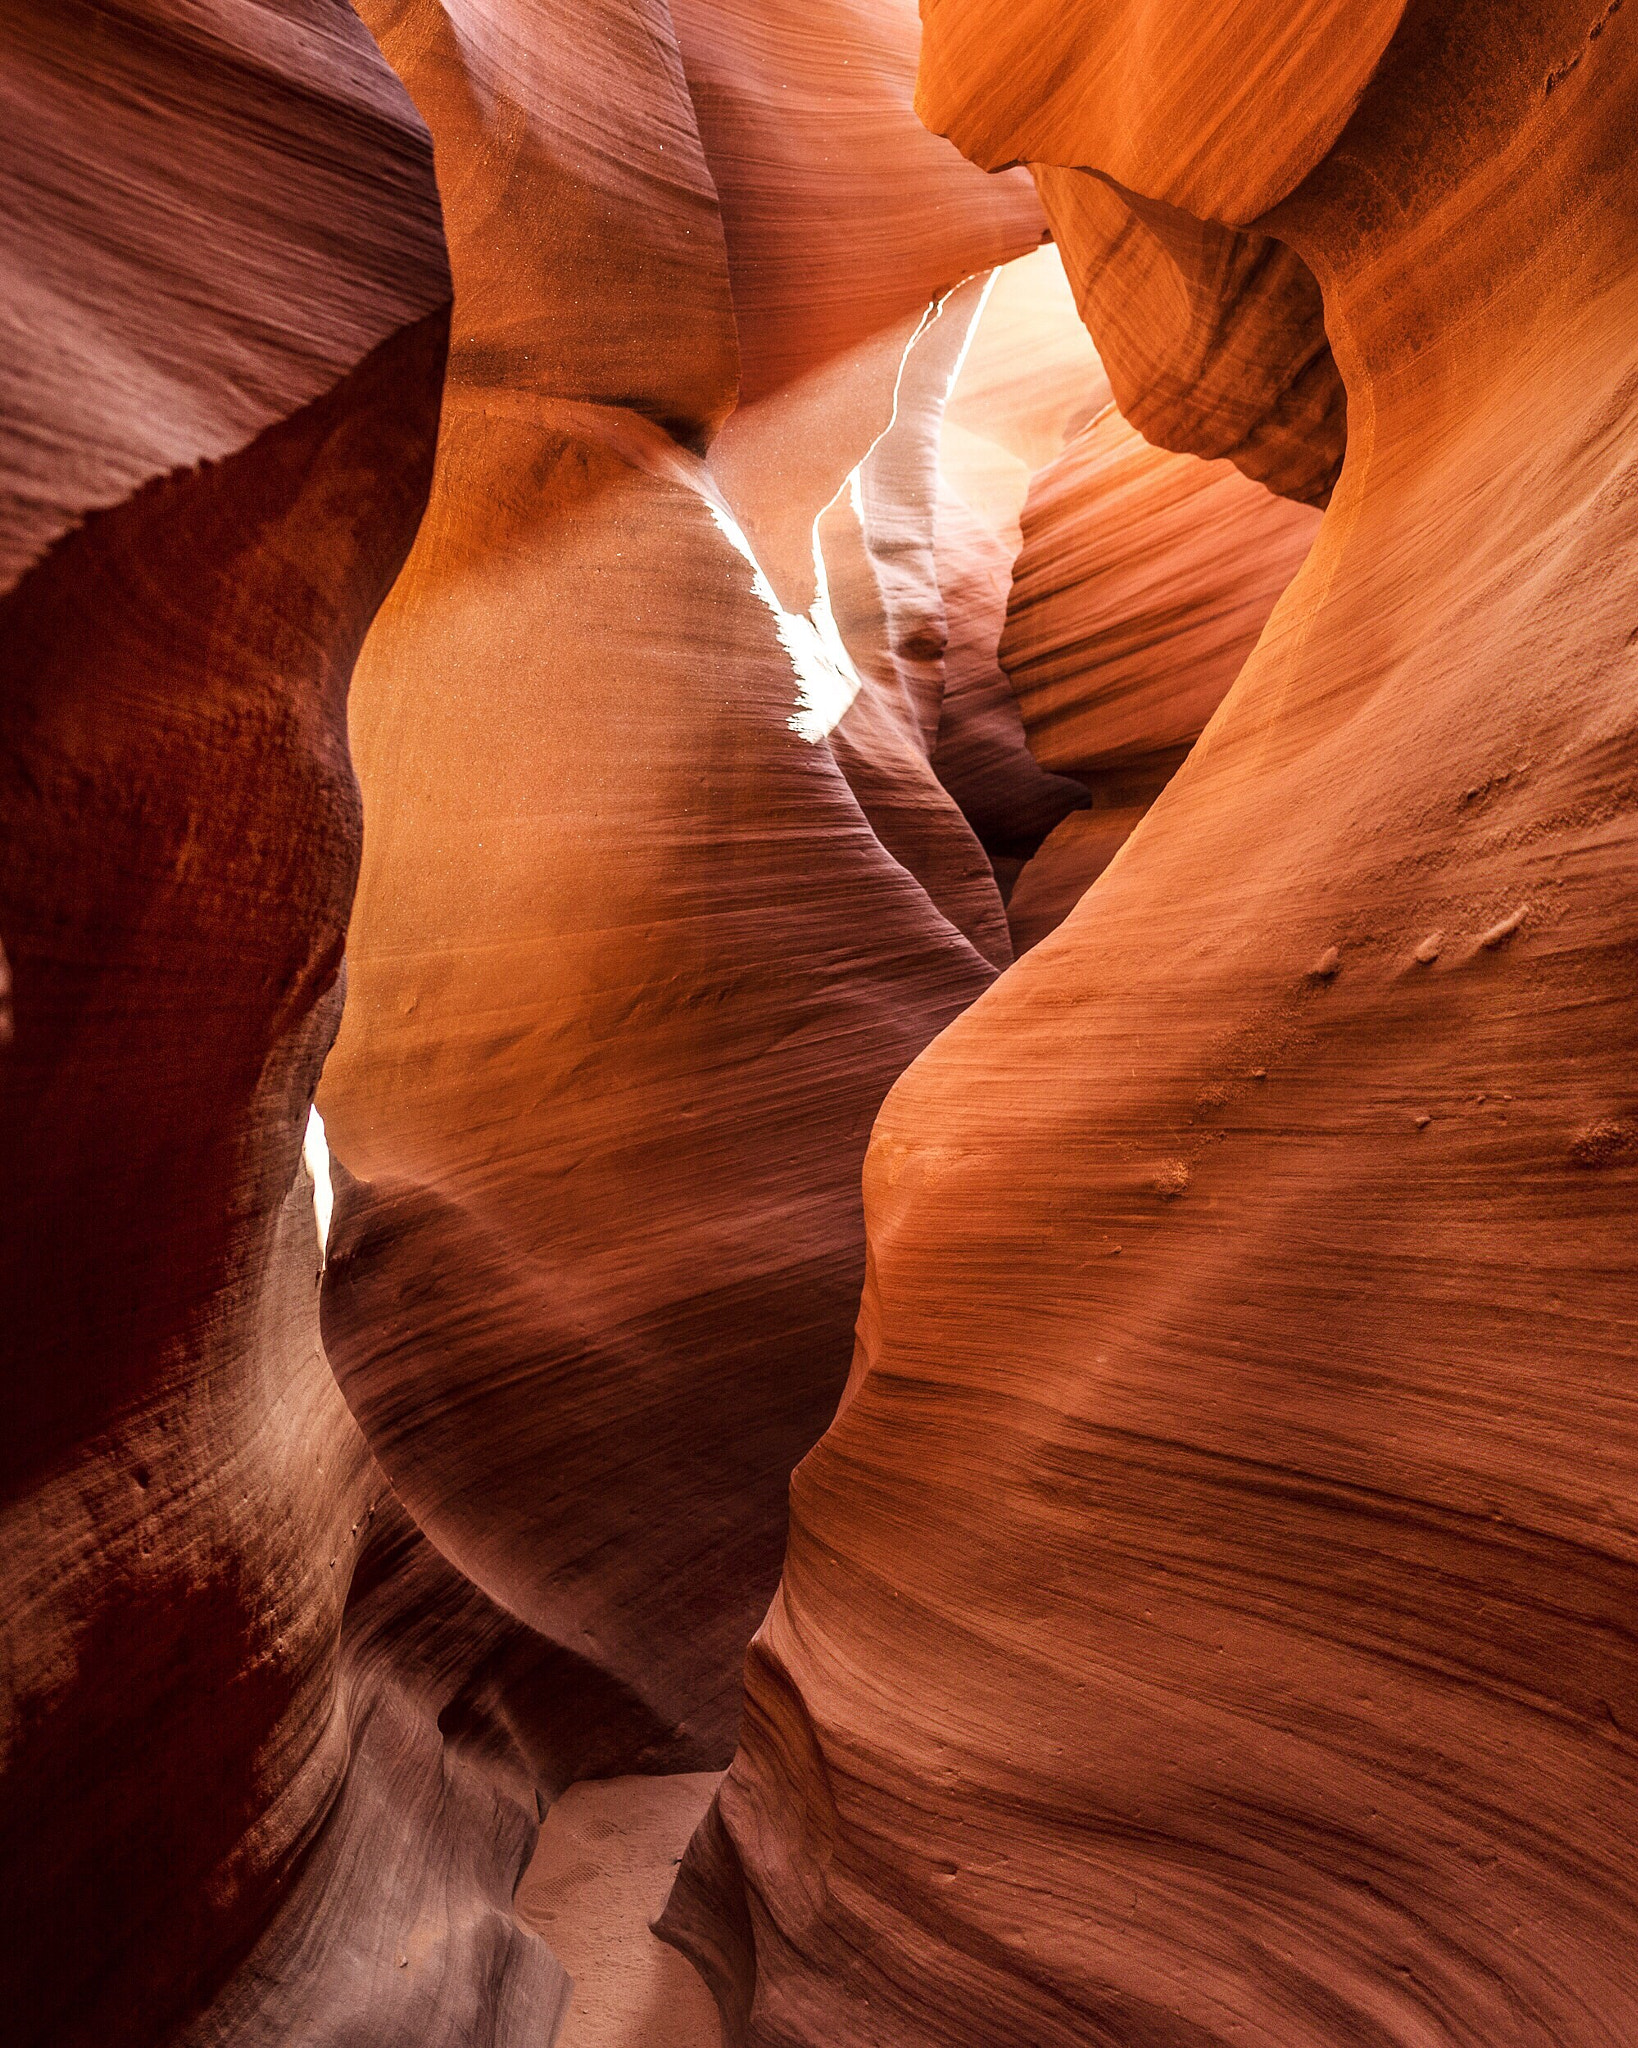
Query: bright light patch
(972,329)
(826,680)
(315,1152)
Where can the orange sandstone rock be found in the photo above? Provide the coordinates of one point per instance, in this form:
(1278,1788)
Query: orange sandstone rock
(840,212)
(631,968)
(1150,159)
(1027,380)
(1143,584)
(1203,1621)
(1161,96)
(1213,339)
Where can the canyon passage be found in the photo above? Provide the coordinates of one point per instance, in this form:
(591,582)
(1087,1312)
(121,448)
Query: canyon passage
(819,1024)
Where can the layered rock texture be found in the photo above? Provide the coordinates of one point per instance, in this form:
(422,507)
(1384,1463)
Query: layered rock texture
(660,888)
(775,594)
(1206,1620)
(1143,582)
(1108,590)
(225,1658)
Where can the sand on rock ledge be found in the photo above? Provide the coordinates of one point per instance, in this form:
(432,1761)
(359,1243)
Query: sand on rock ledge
(607,1854)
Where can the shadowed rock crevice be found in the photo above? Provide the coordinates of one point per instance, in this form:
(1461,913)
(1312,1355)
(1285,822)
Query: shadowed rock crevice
(167,1040)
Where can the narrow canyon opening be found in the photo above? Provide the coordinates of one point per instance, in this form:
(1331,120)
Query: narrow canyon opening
(817,1024)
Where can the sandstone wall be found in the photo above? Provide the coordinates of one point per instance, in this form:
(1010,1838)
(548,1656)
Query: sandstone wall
(1204,1621)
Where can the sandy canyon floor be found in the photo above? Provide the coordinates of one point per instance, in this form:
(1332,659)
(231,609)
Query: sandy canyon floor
(606,1857)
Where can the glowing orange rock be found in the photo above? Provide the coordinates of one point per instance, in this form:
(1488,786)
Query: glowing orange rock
(1201,1622)
(631,969)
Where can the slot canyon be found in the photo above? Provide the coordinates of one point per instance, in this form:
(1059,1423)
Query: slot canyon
(819,1024)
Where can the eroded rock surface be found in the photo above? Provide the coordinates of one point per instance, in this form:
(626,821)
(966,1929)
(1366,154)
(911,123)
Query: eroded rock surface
(225,270)
(1152,167)
(1144,581)
(631,967)
(1203,1622)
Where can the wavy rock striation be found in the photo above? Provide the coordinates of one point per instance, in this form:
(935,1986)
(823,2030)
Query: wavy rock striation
(1152,167)
(1144,582)
(661,890)
(626,990)
(1204,1621)
(220,1691)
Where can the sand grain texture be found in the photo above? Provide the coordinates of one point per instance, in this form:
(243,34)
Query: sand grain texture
(607,1855)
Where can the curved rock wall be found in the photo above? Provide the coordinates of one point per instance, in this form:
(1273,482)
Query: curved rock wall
(1144,581)
(1145,133)
(631,969)
(1205,1621)
(1214,340)
(1114,617)
(223,258)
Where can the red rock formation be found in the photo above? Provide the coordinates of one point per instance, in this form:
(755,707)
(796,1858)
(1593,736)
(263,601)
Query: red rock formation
(927,744)
(223,261)
(874,548)
(1143,584)
(396,1923)
(280,297)
(1205,1621)
(611,1074)
(1214,339)
(1161,96)
(1144,581)
(840,212)
(1074,854)
(630,969)
(846,224)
